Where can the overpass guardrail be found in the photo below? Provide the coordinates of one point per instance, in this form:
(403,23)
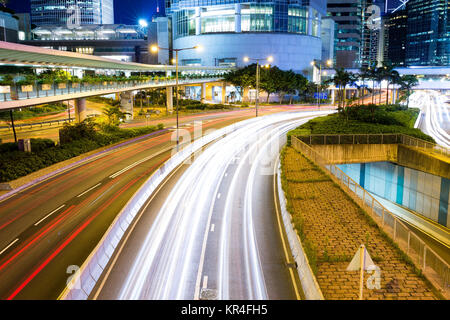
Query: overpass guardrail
(431,264)
(36,90)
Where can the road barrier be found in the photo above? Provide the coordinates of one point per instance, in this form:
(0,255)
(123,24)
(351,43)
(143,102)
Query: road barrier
(431,264)
(83,282)
(30,125)
(309,282)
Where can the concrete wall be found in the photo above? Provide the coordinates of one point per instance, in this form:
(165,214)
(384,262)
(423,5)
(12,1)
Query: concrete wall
(421,192)
(412,158)
(357,153)
(400,154)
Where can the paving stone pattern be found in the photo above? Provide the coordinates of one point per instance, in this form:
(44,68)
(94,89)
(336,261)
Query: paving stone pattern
(336,227)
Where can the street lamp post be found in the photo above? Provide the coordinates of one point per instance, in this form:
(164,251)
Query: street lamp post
(246,59)
(154,49)
(329,63)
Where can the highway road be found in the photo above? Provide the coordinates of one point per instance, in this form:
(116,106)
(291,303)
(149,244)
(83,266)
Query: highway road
(54,225)
(212,231)
(435,116)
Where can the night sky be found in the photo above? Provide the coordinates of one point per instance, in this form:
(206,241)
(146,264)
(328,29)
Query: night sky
(125,11)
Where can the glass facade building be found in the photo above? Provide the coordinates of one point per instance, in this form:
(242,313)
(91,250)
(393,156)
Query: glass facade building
(428,34)
(61,12)
(233,21)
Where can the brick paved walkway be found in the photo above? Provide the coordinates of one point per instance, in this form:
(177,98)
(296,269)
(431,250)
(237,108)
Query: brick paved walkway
(334,226)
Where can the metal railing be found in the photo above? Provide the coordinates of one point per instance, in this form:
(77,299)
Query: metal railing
(36,90)
(40,124)
(380,138)
(431,264)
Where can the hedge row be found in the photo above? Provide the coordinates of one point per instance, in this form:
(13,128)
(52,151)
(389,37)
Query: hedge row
(15,164)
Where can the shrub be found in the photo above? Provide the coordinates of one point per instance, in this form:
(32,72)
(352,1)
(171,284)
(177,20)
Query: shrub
(80,138)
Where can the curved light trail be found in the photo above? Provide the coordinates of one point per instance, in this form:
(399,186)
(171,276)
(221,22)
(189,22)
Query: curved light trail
(179,251)
(436,116)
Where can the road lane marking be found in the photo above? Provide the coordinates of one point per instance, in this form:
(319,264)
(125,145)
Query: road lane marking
(8,246)
(139,162)
(82,194)
(212,227)
(205,282)
(136,219)
(49,214)
(291,272)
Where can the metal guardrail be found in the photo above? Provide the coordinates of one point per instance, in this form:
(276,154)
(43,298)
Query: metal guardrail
(432,265)
(30,125)
(380,138)
(55,89)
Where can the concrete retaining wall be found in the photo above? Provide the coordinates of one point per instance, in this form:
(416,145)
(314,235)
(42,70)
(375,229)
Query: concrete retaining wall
(403,155)
(309,282)
(412,158)
(357,153)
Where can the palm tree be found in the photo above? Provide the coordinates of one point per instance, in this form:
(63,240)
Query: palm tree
(407,82)
(340,80)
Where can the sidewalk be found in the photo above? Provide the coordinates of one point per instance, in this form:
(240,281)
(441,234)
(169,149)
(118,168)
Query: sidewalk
(332,227)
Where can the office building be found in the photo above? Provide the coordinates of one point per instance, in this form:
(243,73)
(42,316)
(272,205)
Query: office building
(229,30)
(121,42)
(428,35)
(72,13)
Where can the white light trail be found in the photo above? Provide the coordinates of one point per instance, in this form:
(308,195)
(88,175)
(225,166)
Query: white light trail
(169,263)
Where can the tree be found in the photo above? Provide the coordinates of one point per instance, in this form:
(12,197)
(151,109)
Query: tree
(407,82)
(114,115)
(340,80)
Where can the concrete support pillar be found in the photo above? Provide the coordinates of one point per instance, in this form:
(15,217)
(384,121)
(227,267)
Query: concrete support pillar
(224,92)
(80,110)
(127,103)
(169,99)
(333,96)
(237,12)
(203,92)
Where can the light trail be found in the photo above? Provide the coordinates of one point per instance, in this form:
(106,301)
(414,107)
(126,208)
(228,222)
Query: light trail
(436,115)
(170,261)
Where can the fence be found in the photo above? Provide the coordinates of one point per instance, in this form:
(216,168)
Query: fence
(382,138)
(432,265)
(30,125)
(37,90)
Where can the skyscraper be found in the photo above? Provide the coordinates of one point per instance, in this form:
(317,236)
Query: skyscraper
(348,15)
(229,30)
(62,12)
(428,35)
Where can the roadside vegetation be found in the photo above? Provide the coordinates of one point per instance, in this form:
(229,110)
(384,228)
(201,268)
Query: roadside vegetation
(75,139)
(31,112)
(331,227)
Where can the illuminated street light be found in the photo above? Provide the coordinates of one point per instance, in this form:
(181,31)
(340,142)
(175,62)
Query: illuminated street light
(269,59)
(329,63)
(143,23)
(155,48)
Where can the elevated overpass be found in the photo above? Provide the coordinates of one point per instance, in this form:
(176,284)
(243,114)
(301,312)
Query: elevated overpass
(12,97)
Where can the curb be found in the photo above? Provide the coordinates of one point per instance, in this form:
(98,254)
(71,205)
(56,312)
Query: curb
(308,281)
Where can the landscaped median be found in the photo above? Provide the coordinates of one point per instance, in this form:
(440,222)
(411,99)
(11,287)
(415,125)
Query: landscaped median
(332,226)
(75,140)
